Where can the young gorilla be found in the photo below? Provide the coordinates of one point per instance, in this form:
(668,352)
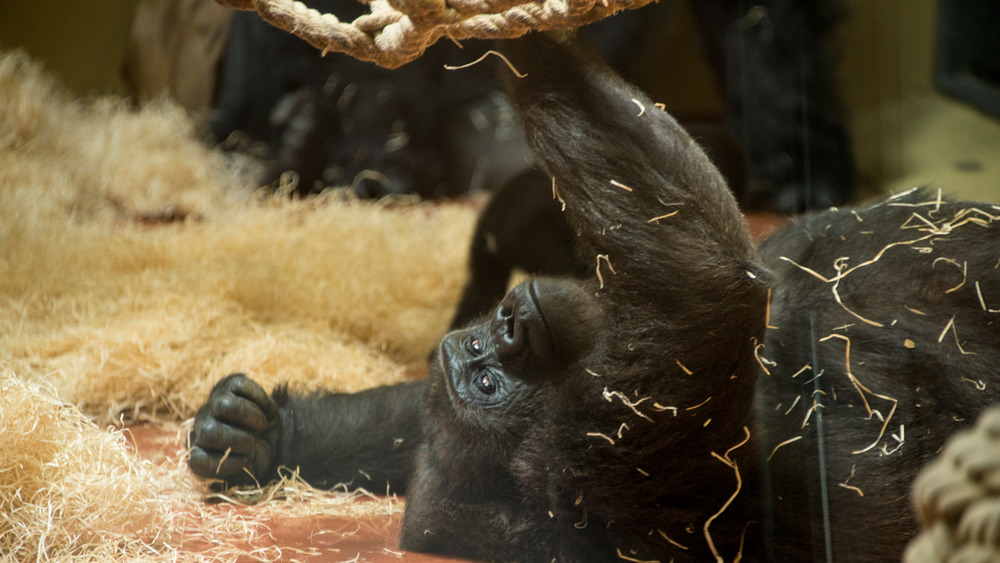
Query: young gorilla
(695,398)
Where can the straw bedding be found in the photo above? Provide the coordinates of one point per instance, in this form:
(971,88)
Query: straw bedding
(137,268)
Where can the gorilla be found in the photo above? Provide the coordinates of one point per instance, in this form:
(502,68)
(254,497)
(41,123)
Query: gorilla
(692,398)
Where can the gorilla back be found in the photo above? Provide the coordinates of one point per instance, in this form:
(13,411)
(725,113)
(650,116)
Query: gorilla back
(691,400)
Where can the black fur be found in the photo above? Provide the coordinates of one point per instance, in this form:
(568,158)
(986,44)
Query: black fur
(630,415)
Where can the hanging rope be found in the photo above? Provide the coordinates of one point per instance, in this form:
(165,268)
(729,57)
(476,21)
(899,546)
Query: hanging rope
(957,498)
(397,31)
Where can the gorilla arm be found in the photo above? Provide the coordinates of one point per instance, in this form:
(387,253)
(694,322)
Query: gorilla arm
(654,217)
(241,435)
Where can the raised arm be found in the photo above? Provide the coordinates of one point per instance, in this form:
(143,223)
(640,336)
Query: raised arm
(640,192)
(242,436)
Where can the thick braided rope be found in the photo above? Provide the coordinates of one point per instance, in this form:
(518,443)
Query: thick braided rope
(957,498)
(397,31)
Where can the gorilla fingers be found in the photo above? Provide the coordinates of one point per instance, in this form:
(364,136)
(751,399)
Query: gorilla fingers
(235,433)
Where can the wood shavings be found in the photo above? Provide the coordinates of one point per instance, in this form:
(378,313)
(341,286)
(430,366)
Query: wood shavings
(699,405)
(672,541)
(592,372)
(600,435)
(909,344)
(915,311)
(683,367)
(607,261)
(899,437)
(608,395)
(661,106)
(660,408)
(964,266)
(851,487)
(782,444)
(642,108)
(982,302)
(556,196)
(954,331)
(840,264)
(979,384)
(861,389)
(795,402)
(222,460)
(657,219)
(739,486)
(641,472)
(767,312)
(756,354)
(633,559)
(802,369)
(505,60)
(618,184)
(621,429)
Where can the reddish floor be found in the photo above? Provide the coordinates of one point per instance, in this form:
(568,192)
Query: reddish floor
(372,539)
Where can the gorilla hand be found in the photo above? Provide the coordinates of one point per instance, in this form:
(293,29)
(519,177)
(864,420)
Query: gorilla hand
(235,434)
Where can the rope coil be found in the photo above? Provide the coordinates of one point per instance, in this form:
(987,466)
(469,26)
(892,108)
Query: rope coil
(397,31)
(957,498)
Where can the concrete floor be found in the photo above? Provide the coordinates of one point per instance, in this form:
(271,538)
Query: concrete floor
(930,141)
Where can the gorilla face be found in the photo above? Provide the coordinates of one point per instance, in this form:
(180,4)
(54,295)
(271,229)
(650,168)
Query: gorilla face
(539,329)
(489,381)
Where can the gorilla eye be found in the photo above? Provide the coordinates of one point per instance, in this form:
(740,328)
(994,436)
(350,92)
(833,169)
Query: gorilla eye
(485,384)
(477,347)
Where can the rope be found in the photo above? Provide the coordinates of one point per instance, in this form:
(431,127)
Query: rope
(397,31)
(957,498)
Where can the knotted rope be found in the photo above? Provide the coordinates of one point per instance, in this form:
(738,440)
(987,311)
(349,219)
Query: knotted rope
(957,498)
(397,31)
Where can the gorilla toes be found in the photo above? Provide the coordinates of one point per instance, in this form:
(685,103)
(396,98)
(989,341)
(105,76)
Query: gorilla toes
(235,432)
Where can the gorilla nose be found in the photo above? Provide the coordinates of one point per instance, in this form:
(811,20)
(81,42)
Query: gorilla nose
(508,326)
(521,335)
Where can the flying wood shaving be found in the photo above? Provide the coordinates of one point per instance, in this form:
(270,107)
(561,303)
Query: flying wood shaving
(633,559)
(666,537)
(600,278)
(756,354)
(954,332)
(660,408)
(802,369)
(599,435)
(982,302)
(964,266)
(556,196)
(861,389)
(625,400)
(767,312)
(506,61)
(618,184)
(642,108)
(853,488)
(657,219)
(683,367)
(785,443)
(698,405)
(787,412)
(739,486)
